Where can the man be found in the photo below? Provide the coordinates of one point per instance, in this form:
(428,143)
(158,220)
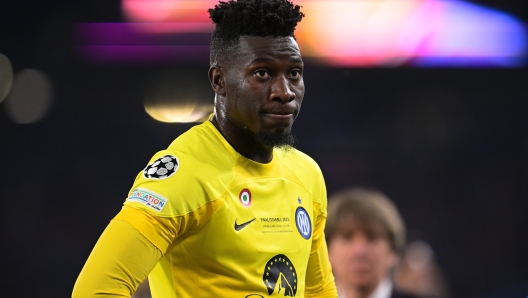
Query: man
(230,209)
(365,236)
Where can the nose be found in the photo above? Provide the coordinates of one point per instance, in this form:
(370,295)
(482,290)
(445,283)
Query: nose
(360,245)
(281,90)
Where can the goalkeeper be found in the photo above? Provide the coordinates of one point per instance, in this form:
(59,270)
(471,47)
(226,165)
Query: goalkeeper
(230,208)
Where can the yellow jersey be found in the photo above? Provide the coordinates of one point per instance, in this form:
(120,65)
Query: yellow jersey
(228,226)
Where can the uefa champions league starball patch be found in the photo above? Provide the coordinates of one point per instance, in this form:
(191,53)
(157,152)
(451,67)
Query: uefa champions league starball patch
(245,197)
(162,168)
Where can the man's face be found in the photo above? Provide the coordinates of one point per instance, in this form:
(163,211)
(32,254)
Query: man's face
(264,88)
(361,255)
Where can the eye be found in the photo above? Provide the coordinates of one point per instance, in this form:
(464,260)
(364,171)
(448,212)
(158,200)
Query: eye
(262,73)
(295,74)
(346,236)
(374,237)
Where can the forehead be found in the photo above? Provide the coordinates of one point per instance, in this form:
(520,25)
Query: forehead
(256,47)
(372,227)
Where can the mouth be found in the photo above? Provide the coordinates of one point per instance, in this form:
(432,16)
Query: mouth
(279,116)
(278,119)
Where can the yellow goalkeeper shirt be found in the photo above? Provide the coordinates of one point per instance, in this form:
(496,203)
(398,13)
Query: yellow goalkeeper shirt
(228,226)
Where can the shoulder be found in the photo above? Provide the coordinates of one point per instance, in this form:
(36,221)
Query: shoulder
(187,175)
(298,160)
(193,138)
(202,147)
(308,172)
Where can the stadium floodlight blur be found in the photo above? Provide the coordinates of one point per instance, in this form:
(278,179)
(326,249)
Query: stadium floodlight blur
(180,96)
(179,113)
(359,33)
(6,76)
(411,32)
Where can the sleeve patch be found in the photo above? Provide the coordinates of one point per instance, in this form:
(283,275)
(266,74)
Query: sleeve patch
(148,198)
(162,168)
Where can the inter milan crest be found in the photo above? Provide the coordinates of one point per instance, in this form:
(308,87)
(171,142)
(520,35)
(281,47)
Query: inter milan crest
(280,274)
(162,168)
(303,223)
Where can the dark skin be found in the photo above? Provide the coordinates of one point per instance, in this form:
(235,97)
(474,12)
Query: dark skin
(258,90)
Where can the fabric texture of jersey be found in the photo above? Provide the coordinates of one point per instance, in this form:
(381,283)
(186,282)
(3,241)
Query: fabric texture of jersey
(231,227)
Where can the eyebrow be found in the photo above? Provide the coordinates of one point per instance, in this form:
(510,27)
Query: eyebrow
(265,59)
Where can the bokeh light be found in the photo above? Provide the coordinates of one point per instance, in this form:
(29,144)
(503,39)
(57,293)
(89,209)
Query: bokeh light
(168,16)
(30,98)
(179,113)
(6,76)
(179,97)
(416,32)
(359,33)
(167,10)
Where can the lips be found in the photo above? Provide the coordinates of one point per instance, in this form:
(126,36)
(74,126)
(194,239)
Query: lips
(279,113)
(285,118)
(279,116)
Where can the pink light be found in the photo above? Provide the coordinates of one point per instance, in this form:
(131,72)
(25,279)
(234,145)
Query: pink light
(474,35)
(359,33)
(362,33)
(167,10)
(172,27)
(388,33)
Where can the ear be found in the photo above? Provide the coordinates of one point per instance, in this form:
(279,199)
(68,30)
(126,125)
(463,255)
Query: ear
(394,259)
(216,77)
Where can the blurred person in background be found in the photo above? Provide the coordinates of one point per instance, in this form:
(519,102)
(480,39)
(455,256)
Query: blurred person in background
(418,272)
(366,237)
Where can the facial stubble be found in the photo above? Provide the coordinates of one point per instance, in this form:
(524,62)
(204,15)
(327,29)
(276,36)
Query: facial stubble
(284,140)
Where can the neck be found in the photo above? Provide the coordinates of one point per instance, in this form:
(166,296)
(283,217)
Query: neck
(382,290)
(243,141)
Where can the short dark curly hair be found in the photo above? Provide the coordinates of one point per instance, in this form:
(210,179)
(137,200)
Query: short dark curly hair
(277,18)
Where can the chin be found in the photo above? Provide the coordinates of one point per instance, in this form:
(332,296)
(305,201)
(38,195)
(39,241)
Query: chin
(281,138)
(361,278)
(363,283)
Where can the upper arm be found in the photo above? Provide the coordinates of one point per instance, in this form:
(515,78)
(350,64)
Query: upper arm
(319,278)
(121,259)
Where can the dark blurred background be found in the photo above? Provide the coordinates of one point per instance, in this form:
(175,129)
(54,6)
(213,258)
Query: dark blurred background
(448,145)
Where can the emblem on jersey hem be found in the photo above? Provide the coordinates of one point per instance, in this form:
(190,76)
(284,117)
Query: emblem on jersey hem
(148,198)
(162,168)
(242,225)
(303,223)
(280,273)
(245,197)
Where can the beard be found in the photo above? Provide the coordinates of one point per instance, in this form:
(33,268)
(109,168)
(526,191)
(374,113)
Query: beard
(284,140)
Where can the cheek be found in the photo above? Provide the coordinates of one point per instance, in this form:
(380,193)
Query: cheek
(300,89)
(299,96)
(336,256)
(337,252)
(392,260)
(385,257)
